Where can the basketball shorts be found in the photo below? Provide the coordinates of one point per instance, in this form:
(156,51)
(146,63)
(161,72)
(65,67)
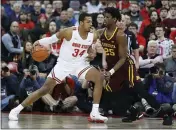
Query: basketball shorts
(60,71)
(126,73)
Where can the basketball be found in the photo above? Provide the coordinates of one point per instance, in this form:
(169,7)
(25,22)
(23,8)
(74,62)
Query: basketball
(40,53)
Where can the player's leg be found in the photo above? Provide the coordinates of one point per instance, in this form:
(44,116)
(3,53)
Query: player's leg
(49,84)
(55,77)
(92,74)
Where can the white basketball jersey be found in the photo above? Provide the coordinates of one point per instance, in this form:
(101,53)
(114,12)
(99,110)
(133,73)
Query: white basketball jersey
(74,51)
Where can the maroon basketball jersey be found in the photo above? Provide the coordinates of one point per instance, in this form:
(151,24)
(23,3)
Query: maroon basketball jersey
(110,46)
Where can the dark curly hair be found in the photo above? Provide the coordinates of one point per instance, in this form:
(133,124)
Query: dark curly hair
(115,13)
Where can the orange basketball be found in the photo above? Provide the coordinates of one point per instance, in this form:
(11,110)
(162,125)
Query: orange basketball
(40,53)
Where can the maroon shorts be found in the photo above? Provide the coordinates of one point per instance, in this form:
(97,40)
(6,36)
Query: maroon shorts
(127,73)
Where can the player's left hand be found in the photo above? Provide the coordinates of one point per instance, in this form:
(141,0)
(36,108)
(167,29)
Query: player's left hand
(107,75)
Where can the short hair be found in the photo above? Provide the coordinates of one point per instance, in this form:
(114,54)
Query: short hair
(133,25)
(160,26)
(174,46)
(115,13)
(173,6)
(163,8)
(82,16)
(152,42)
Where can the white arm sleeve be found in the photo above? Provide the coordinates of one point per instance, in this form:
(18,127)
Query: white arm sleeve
(48,40)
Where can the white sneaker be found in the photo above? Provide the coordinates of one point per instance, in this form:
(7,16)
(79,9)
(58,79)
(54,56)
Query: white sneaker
(96,117)
(13,115)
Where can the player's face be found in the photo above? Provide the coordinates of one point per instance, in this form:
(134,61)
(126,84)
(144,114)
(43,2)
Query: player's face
(109,20)
(87,23)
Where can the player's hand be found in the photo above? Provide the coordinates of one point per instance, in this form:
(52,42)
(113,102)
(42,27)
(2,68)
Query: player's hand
(107,75)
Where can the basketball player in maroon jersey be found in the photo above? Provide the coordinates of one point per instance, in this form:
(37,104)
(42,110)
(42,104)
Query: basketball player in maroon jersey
(124,83)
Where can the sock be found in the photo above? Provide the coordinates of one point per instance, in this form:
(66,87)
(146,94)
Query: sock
(95,108)
(19,108)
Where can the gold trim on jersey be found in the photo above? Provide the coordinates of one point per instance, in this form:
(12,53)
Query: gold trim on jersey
(111,36)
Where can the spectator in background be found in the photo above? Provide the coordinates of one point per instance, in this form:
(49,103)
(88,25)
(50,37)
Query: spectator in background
(45,3)
(75,4)
(37,11)
(131,39)
(160,85)
(24,23)
(27,6)
(9,85)
(163,14)
(93,6)
(135,14)
(140,39)
(30,82)
(173,36)
(11,44)
(63,21)
(164,44)
(40,28)
(152,36)
(5,20)
(26,58)
(55,47)
(83,9)
(170,63)
(165,4)
(57,6)
(127,19)
(123,5)
(149,25)
(99,24)
(146,10)
(171,21)
(8,7)
(71,16)
(148,61)
(16,12)
(49,9)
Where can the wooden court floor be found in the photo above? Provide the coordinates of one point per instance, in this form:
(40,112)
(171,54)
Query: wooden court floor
(49,121)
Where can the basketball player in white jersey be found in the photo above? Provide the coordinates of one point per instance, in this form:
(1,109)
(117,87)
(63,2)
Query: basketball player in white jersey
(72,60)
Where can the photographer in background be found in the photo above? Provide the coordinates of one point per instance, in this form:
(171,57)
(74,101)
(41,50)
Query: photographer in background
(9,88)
(30,83)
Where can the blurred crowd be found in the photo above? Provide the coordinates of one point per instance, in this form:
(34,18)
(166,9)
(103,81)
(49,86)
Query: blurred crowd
(150,26)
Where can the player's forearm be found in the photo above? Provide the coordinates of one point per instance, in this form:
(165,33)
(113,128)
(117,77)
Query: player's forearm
(48,40)
(119,64)
(104,56)
(136,55)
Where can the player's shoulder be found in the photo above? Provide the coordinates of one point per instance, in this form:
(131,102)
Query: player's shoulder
(120,32)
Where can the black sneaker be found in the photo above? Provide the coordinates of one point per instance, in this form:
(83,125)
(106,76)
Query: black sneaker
(167,120)
(58,108)
(132,116)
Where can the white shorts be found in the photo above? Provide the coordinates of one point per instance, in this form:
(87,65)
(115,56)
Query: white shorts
(60,71)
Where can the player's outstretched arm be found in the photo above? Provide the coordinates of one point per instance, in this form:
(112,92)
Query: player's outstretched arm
(54,38)
(122,50)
